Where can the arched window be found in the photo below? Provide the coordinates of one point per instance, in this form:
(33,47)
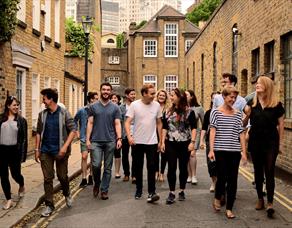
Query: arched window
(214,66)
(110,41)
(235,35)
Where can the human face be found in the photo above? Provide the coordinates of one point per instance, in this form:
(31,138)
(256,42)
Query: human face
(225,82)
(230,99)
(115,99)
(94,99)
(161,98)
(173,98)
(260,87)
(48,102)
(105,92)
(149,97)
(131,96)
(13,107)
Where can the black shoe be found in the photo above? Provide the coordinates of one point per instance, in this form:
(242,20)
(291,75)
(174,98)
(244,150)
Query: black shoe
(181,196)
(90,181)
(138,195)
(95,191)
(170,198)
(152,198)
(104,196)
(83,183)
(270,212)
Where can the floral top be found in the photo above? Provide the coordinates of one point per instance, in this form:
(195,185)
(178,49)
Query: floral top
(179,126)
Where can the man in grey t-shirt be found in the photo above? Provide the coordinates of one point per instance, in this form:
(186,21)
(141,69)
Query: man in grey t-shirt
(103,135)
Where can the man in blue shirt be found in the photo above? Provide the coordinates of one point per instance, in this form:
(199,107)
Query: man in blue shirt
(55,132)
(103,135)
(80,120)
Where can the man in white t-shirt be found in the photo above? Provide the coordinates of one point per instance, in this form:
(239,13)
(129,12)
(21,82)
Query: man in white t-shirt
(146,116)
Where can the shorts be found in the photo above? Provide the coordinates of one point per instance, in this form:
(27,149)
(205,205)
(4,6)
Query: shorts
(83,147)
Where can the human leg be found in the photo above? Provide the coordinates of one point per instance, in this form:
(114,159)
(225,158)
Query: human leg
(62,174)
(109,148)
(96,158)
(117,155)
(125,157)
(221,174)
(138,157)
(171,152)
(183,158)
(151,152)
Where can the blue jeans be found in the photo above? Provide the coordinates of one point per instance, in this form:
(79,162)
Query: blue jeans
(105,151)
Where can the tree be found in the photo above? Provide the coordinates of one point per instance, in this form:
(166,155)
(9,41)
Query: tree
(141,24)
(120,40)
(203,11)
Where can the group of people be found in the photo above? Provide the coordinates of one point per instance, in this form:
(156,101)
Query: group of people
(164,126)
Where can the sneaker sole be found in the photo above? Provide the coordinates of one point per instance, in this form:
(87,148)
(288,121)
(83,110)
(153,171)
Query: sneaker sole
(154,199)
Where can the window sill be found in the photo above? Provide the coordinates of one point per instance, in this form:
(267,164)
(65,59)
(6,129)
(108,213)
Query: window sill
(36,32)
(288,123)
(22,24)
(57,45)
(48,39)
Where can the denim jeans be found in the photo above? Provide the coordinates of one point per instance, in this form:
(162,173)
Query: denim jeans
(102,151)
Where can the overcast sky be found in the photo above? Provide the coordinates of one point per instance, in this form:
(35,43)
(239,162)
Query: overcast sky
(186,4)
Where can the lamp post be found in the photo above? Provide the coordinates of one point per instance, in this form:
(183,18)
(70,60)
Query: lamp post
(86,24)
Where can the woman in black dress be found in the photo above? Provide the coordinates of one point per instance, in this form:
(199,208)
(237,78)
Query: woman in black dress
(266,115)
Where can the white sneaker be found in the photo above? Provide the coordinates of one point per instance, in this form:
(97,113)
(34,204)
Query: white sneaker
(189,180)
(68,200)
(212,187)
(47,211)
(194,180)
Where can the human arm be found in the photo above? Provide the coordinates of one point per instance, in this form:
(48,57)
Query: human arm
(243,147)
(159,130)
(23,145)
(202,137)
(193,125)
(281,132)
(118,129)
(37,151)
(128,130)
(89,131)
(76,121)
(211,154)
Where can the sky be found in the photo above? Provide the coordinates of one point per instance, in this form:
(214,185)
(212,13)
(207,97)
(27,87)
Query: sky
(185,4)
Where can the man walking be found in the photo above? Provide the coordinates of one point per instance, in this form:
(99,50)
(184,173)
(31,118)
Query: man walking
(80,120)
(102,137)
(55,132)
(130,96)
(146,115)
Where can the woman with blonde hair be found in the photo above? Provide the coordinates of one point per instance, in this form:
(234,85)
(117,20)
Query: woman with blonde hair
(266,115)
(162,99)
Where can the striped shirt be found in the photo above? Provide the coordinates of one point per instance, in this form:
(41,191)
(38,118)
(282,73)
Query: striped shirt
(228,129)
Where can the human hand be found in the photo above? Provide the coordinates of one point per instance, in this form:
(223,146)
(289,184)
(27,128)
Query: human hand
(131,140)
(211,155)
(191,147)
(162,147)
(119,144)
(202,146)
(37,155)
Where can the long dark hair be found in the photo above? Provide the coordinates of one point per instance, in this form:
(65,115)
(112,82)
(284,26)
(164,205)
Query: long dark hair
(8,102)
(182,103)
(193,102)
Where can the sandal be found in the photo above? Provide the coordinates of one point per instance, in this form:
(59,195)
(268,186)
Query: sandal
(229,214)
(8,205)
(216,205)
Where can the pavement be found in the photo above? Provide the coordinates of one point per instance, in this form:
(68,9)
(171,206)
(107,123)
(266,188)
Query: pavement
(34,191)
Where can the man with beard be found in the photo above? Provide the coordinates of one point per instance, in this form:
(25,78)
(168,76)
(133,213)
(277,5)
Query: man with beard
(130,96)
(103,135)
(55,131)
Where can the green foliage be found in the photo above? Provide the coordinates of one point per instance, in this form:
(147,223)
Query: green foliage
(120,40)
(140,25)
(8,20)
(76,36)
(203,11)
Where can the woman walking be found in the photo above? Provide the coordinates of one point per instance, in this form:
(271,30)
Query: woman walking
(265,137)
(162,99)
(199,113)
(13,147)
(178,138)
(227,140)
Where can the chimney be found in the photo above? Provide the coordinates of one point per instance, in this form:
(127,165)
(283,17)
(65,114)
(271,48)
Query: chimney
(132,26)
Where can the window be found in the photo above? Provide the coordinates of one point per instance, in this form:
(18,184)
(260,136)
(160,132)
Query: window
(21,10)
(110,41)
(48,18)
(114,80)
(20,88)
(171,40)
(255,62)
(57,21)
(35,102)
(57,85)
(215,66)
(47,82)
(269,57)
(286,47)
(36,10)
(188,44)
(150,79)
(150,47)
(235,50)
(114,60)
(170,82)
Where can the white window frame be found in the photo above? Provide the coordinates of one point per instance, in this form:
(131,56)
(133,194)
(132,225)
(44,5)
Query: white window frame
(150,48)
(114,80)
(114,59)
(57,85)
(36,14)
(47,82)
(48,18)
(150,79)
(188,44)
(21,13)
(171,40)
(170,82)
(57,21)
(35,98)
(21,97)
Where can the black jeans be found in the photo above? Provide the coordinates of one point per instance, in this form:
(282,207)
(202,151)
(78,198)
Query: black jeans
(138,152)
(227,164)
(177,151)
(264,164)
(125,157)
(10,158)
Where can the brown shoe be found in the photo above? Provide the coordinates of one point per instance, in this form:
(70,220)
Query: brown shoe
(126,178)
(95,191)
(133,180)
(260,205)
(104,196)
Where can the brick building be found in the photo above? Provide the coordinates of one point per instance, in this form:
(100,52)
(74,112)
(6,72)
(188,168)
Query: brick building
(156,52)
(247,38)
